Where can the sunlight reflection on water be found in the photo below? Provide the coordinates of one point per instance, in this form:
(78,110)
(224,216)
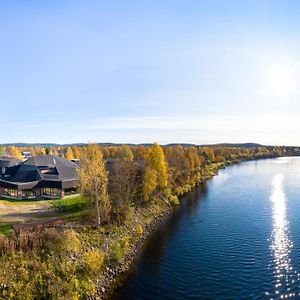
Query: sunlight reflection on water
(281,244)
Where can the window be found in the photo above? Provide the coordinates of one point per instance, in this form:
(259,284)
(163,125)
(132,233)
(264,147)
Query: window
(48,170)
(28,194)
(10,193)
(51,192)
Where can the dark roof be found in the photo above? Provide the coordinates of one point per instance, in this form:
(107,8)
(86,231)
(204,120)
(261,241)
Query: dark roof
(42,168)
(8,161)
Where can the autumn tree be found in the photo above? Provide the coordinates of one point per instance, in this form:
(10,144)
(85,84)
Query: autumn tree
(122,184)
(48,151)
(209,152)
(42,151)
(125,151)
(14,151)
(69,153)
(139,152)
(54,151)
(58,150)
(76,152)
(178,164)
(193,158)
(156,161)
(94,181)
(156,174)
(17,153)
(149,183)
(32,151)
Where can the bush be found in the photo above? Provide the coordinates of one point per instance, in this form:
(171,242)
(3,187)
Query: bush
(117,253)
(139,229)
(93,261)
(125,243)
(70,242)
(174,200)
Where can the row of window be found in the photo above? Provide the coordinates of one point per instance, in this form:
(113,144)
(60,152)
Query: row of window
(45,192)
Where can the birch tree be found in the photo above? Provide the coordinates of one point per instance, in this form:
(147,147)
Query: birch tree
(94,181)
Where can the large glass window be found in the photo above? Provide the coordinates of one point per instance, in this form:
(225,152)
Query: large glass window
(28,194)
(51,192)
(10,193)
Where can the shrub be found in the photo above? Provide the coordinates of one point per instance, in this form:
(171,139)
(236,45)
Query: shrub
(139,229)
(168,192)
(70,242)
(93,261)
(116,253)
(174,200)
(125,243)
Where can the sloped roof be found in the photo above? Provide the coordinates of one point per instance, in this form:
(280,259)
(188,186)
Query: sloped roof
(44,167)
(8,161)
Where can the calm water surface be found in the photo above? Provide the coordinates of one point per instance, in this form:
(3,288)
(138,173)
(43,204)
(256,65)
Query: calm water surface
(236,237)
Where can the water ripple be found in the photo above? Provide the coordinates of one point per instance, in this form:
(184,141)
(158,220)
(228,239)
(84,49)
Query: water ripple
(235,238)
(281,244)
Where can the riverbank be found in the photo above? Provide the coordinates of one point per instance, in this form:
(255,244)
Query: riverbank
(222,242)
(113,276)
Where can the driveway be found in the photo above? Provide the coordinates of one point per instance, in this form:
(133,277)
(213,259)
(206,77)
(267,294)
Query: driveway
(24,212)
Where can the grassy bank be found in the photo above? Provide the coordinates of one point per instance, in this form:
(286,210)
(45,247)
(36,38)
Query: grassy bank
(71,208)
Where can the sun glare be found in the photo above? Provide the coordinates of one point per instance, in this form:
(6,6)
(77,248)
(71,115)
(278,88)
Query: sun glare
(281,80)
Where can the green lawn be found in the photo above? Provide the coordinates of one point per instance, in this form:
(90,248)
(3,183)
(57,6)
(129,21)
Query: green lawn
(71,207)
(5,228)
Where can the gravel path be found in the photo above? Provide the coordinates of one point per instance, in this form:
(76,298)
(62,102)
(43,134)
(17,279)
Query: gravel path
(23,212)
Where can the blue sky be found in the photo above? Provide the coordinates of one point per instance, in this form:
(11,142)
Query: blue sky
(200,71)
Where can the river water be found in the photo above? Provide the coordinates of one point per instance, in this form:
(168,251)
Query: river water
(235,237)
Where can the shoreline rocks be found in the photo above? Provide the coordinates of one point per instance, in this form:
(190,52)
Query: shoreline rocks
(114,276)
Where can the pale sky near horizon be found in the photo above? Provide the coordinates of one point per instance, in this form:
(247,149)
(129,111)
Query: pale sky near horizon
(201,71)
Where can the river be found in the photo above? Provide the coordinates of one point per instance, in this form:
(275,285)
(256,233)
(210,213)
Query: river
(235,237)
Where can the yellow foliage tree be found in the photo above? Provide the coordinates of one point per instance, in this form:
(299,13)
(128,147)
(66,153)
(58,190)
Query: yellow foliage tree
(126,152)
(32,151)
(94,181)
(14,151)
(193,158)
(42,151)
(149,183)
(210,154)
(69,153)
(76,152)
(156,161)
(54,151)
